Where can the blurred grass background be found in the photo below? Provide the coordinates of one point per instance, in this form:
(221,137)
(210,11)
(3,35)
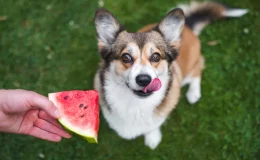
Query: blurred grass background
(48,46)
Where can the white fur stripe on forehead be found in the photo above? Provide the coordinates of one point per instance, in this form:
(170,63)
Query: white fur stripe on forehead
(171,26)
(106,25)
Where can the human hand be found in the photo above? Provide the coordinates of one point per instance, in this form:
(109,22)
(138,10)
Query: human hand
(27,112)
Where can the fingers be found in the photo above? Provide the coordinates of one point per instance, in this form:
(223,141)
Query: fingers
(36,100)
(43,115)
(49,127)
(42,134)
(22,100)
(41,125)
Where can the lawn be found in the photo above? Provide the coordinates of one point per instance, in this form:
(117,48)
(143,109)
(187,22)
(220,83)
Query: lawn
(49,46)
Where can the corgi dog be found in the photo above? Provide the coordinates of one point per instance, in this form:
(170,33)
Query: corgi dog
(141,74)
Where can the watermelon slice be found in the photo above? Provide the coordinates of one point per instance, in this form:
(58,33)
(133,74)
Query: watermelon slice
(79,112)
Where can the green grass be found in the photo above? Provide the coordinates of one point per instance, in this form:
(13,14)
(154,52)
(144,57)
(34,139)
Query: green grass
(49,46)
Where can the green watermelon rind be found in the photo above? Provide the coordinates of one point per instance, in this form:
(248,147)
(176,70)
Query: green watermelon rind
(90,137)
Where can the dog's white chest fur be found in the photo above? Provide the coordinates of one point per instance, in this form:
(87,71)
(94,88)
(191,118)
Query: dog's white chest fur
(129,115)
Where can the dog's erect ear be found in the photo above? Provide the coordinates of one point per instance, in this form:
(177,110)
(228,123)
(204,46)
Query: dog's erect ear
(171,26)
(107,28)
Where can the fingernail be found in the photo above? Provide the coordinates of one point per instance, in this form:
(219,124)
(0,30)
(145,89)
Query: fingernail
(68,136)
(58,138)
(57,113)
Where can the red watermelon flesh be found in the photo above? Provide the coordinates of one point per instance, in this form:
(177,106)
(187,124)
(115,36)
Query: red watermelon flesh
(80,112)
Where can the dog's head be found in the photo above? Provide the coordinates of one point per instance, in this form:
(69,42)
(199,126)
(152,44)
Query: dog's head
(139,60)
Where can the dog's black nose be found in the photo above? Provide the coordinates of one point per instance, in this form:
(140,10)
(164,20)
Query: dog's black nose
(143,80)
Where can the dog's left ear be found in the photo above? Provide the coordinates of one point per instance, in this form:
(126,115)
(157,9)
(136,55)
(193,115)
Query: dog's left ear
(107,29)
(171,26)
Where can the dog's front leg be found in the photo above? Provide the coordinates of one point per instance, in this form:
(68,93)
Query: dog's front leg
(153,138)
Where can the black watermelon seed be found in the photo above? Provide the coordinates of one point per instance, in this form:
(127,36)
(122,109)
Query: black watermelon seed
(85,107)
(66,97)
(82,115)
(81,105)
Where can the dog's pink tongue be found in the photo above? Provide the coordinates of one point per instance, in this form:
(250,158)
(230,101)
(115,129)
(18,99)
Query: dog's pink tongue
(155,85)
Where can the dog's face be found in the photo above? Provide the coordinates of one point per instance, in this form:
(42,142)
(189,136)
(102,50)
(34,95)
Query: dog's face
(136,59)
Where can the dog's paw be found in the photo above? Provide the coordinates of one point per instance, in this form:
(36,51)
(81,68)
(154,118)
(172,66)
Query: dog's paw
(193,95)
(153,139)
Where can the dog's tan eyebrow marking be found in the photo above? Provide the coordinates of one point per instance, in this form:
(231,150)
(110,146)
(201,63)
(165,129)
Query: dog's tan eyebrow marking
(130,50)
(126,49)
(161,50)
(151,50)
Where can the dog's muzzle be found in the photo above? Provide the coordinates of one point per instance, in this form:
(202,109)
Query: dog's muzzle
(149,85)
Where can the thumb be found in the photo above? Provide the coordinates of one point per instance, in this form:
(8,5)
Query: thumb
(36,100)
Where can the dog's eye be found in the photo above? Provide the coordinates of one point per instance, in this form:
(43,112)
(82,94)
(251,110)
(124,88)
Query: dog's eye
(126,58)
(155,57)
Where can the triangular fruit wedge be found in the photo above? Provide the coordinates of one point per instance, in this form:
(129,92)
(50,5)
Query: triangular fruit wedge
(80,112)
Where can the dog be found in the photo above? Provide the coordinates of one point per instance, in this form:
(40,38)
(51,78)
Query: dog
(141,74)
